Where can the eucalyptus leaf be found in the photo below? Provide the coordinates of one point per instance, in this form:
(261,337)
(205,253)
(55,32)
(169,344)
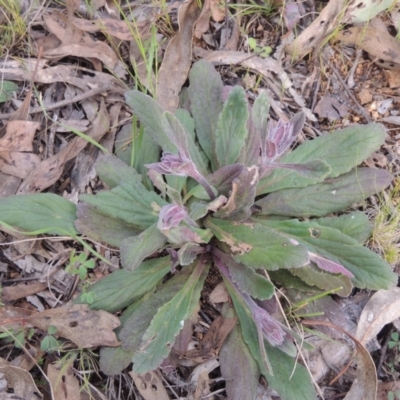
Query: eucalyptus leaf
(136,248)
(334,194)
(168,321)
(122,287)
(342,150)
(258,246)
(41,212)
(231,129)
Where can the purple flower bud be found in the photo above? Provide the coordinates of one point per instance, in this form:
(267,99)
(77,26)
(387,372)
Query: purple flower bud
(172,164)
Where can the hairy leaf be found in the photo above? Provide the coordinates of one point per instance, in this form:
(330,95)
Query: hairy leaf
(188,253)
(258,246)
(44,212)
(136,248)
(205,91)
(334,194)
(314,276)
(343,150)
(238,206)
(103,227)
(166,324)
(231,129)
(368,268)
(122,287)
(130,202)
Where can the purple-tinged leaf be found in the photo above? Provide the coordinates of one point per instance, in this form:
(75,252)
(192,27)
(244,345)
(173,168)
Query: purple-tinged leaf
(137,248)
(259,118)
(280,136)
(242,196)
(171,216)
(329,196)
(329,265)
(247,279)
(267,327)
(172,164)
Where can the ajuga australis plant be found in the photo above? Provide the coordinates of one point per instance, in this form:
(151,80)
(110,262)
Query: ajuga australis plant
(215,186)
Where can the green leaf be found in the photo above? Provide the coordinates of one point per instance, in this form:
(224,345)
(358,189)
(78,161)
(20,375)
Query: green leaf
(150,114)
(101,227)
(6,90)
(247,280)
(166,324)
(112,171)
(334,194)
(238,367)
(122,287)
(258,246)
(314,276)
(343,150)
(136,248)
(355,225)
(129,202)
(205,92)
(231,129)
(291,380)
(369,269)
(144,310)
(285,278)
(113,360)
(42,212)
(188,253)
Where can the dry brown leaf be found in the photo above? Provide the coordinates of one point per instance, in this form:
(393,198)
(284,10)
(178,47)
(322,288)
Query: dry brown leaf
(19,136)
(22,290)
(18,164)
(322,26)
(219,294)
(50,170)
(178,58)
(99,50)
(377,43)
(382,308)
(150,386)
(203,387)
(59,25)
(83,78)
(63,381)
(213,340)
(8,185)
(20,382)
(385,387)
(109,26)
(82,326)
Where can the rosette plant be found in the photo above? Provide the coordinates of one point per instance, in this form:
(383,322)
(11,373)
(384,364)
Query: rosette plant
(216,186)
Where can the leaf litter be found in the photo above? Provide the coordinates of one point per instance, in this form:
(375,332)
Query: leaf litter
(85,56)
